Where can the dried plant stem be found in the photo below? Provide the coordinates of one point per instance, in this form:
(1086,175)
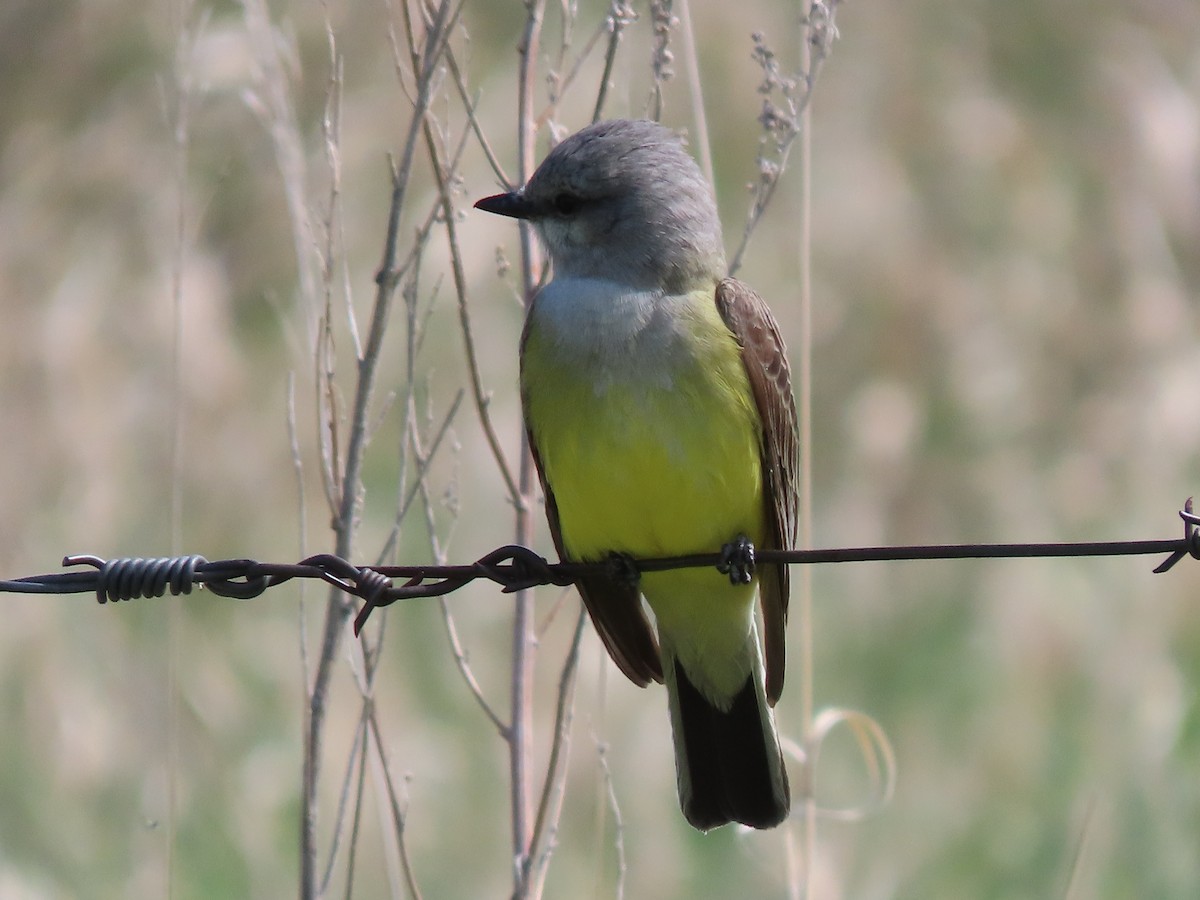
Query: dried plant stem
(442,176)
(179,101)
(521,687)
(554,789)
(423,464)
(620,14)
(301,516)
(371,655)
(360,783)
(480,395)
(803,360)
(343,808)
(398,815)
(702,140)
(372,738)
(782,125)
(469,104)
(338,608)
(611,804)
(468,674)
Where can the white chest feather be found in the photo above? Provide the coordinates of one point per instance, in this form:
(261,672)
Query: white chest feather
(612,334)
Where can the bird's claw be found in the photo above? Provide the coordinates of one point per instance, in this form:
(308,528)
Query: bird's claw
(738,560)
(622,568)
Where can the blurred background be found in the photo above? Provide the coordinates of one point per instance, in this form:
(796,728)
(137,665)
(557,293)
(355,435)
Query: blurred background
(1006,346)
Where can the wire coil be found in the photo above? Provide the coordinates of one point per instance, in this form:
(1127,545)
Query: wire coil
(129,578)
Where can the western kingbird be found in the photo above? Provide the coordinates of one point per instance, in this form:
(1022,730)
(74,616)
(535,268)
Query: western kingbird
(658,402)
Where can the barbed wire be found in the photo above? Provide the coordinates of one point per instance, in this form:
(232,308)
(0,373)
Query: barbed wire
(513,567)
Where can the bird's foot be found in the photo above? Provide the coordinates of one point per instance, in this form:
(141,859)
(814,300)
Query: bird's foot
(622,569)
(738,560)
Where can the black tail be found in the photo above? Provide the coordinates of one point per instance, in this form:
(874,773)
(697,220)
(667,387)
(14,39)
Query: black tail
(729,764)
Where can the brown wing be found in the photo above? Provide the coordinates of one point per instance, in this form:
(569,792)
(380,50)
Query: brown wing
(614,605)
(765,359)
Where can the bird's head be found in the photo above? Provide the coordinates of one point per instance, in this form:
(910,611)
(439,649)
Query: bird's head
(622,200)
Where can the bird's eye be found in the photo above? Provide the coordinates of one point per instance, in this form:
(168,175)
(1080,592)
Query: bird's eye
(566,203)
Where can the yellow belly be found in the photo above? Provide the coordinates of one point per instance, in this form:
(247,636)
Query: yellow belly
(650,473)
(651,446)
(648,469)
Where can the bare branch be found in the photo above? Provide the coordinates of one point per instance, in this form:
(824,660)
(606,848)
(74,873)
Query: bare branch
(444,177)
(338,610)
(521,684)
(702,138)
(343,806)
(620,14)
(464,669)
(382,774)
(614,806)
(399,816)
(360,783)
(301,516)
(554,787)
(470,104)
(423,463)
(662,20)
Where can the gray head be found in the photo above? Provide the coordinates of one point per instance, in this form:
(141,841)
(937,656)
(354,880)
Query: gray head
(622,200)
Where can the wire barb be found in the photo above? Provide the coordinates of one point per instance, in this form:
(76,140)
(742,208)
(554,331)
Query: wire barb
(513,567)
(1191,539)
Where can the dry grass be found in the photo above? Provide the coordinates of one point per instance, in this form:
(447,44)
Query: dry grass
(1004,346)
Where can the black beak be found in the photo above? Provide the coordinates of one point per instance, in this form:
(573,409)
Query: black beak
(513,205)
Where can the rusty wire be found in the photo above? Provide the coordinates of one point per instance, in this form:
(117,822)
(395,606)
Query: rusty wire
(513,567)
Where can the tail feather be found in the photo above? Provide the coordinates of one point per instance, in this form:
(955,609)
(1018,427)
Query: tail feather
(728,762)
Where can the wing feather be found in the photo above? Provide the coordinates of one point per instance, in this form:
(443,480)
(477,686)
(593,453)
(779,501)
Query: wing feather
(765,358)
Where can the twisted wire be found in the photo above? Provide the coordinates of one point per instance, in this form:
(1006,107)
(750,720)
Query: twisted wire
(513,567)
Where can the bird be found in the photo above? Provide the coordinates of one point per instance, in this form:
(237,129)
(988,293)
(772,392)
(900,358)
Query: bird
(658,404)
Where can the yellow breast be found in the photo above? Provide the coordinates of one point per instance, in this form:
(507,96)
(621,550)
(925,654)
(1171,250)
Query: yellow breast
(644,421)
